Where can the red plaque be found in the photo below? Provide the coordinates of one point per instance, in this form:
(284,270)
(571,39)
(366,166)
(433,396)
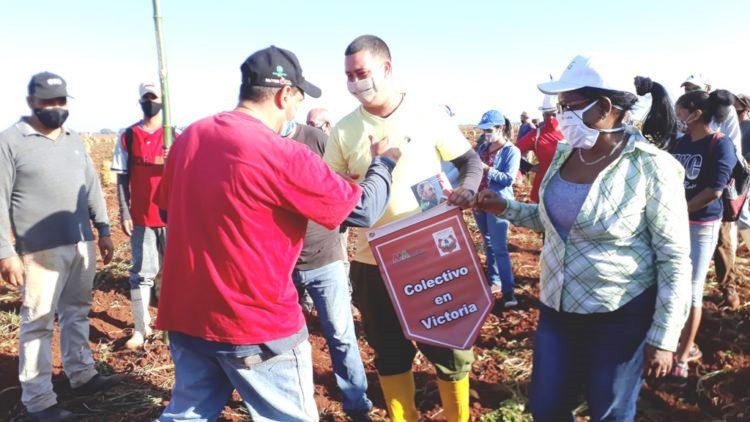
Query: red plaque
(433,275)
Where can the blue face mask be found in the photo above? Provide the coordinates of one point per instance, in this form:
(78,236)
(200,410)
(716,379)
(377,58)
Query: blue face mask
(288,129)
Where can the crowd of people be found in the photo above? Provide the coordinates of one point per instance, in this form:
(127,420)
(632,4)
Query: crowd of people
(256,207)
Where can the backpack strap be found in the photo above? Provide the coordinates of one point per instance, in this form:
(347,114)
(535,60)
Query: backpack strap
(536,140)
(129,145)
(714,141)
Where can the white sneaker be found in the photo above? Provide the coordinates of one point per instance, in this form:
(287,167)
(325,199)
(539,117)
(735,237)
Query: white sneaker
(136,341)
(510,302)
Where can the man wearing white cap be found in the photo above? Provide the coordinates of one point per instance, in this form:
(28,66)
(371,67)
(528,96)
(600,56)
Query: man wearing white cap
(139,163)
(615,279)
(543,141)
(726,248)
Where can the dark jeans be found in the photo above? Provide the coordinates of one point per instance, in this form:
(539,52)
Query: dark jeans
(394,353)
(599,353)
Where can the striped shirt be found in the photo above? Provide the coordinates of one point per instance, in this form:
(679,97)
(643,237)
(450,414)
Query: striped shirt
(630,234)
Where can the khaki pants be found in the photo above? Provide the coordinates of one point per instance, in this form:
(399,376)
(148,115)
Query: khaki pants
(58,280)
(724,256)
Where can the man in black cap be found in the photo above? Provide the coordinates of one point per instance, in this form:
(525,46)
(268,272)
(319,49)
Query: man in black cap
(239,197)
(49,195)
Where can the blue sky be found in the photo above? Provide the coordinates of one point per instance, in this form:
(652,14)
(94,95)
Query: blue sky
(473,55)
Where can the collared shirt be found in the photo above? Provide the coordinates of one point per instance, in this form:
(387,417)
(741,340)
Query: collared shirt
(425,134)
(543,142)
(504,164)
(49,189)
(630,234)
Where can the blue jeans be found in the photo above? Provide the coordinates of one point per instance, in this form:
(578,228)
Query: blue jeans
(495,235)
(147,249)
(329,288)
(703,239)
(275,387)
(603,352)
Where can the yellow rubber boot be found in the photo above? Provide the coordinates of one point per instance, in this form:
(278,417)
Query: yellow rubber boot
(399,391)
(455,398)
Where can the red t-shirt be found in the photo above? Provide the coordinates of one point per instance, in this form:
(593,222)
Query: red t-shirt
(544,148)
(145,168)
(238,197)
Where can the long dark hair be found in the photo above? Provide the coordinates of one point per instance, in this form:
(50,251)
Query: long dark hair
(660,124)
(507,128)
(715,106)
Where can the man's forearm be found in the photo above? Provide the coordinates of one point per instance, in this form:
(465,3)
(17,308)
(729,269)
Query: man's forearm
(376,191)
(123,195)
(470,170)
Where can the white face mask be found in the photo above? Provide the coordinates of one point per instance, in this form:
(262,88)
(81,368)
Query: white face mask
(577,133)
(364,90)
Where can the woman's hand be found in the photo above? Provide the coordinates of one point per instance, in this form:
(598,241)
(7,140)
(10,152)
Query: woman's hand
(657,363)
(489,201)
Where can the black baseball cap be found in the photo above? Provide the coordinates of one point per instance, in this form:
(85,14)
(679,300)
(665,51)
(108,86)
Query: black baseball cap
(276,67)
(47,85)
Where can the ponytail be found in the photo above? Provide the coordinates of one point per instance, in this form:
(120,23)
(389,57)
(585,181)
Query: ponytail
(507,128)
(714,106)
(719,104)
(660,125)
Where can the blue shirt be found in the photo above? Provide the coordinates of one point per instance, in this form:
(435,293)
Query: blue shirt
(524,129)
(503,172)
(707,165)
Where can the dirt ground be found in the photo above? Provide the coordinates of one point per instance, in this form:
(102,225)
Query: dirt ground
(718,388)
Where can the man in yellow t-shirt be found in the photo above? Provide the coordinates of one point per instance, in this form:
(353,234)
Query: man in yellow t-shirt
(425,135)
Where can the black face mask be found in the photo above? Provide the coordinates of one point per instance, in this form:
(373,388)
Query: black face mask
(51,118)
(150,108)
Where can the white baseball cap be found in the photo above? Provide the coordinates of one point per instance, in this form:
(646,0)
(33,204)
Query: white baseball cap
(696,79)
(148,88)
(584,71)
(549,103)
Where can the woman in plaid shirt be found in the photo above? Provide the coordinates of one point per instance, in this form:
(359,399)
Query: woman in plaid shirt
(615,265)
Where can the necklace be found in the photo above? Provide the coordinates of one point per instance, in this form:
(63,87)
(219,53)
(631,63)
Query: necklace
(598,160)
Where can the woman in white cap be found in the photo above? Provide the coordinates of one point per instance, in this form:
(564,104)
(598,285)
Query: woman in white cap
(615,265)
(543,141)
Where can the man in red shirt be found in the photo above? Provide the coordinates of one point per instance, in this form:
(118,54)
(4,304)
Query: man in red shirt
(543,142)
(139,162)
(238,197)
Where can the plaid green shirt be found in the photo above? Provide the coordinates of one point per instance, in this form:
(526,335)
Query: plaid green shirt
(631,233)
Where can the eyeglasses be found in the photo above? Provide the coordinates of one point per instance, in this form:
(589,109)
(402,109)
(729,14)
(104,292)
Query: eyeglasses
(561,107)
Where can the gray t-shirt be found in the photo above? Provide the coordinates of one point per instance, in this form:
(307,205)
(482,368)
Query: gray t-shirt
(49,191)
